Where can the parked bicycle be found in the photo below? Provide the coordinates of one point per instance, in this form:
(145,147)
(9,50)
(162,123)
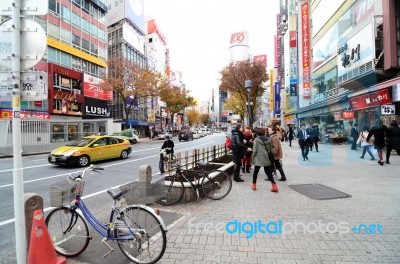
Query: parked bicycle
(214,184)
(138,230)
(167,161)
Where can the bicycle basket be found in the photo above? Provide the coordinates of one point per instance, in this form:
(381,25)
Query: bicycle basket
(63,192)
(143,192)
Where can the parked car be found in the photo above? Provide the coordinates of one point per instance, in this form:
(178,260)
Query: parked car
(162,134)
(129,133)
(196,134)
(89,149)
(201,133)
(185,135)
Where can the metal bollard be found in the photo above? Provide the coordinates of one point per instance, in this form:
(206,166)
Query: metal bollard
(32,202)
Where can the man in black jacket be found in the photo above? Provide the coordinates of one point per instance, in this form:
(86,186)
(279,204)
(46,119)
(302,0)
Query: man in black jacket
(168,146)
(239,149)
(354,135)
(303,136)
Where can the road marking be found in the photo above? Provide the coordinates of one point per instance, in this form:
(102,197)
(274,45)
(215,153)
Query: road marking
(136,151)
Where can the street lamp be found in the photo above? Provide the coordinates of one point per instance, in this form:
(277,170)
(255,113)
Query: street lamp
(248,85)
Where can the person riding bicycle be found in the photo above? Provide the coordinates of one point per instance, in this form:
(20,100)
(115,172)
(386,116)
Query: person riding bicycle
(168,146)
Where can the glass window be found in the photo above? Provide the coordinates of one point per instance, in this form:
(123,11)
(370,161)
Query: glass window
(94,49)
(86,5)
(53,5)
(65,59)
(85,44)
(102,34)
(93,30)
(76,20)
(77,2)
(66,13)
(102,16)
(52,54)
(66,36)
(95,12)
(76,40)
(94,69)
(57,130)
(76,62)
(85,25)
(53,30)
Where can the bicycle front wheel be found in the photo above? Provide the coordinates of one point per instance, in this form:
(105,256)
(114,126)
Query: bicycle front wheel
(149,237)
(174,191)
(216,185)
(68,231)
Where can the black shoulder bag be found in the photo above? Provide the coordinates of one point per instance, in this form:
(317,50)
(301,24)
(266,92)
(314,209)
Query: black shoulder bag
(271,156)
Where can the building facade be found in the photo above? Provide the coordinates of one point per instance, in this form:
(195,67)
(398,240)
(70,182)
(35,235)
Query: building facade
(349,64)
(63,82)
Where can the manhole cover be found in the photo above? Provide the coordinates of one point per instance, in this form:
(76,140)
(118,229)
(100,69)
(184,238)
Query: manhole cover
(318,191)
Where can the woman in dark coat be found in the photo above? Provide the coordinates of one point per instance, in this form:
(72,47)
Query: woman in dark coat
(393,139)
(378,130)
(239,149)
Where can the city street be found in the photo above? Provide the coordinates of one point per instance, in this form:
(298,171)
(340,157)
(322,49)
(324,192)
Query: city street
(39,175)
(198,234)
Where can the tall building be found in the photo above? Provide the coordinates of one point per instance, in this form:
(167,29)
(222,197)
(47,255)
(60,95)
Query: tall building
(64,100)
(158,58)
(349,64)
(126,29)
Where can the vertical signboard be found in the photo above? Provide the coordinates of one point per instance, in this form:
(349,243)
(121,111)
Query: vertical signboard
(271,90)
(293,63)
(277,99)
(305,49)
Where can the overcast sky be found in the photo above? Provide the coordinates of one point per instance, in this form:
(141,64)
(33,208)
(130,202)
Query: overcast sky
(198,34)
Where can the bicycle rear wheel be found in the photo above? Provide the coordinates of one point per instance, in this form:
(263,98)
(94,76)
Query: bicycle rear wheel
(174,191)
(150,240)
(68,231)
(216,185)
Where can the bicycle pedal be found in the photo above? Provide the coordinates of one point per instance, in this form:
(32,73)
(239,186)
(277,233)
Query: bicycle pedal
(104,241)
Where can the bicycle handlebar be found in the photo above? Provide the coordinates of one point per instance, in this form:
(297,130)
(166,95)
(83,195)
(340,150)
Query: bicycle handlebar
(80,176)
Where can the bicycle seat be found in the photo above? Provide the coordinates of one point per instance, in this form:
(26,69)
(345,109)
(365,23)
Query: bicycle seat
(202,164)
(115,193)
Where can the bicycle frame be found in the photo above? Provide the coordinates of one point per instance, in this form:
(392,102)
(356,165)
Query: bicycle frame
(195,187)
(99,226)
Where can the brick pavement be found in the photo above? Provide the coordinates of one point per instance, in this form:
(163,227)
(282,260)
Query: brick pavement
(375,199)
(200,237)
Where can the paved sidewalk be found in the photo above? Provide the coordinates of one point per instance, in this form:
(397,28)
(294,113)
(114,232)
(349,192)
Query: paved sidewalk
(375,199)
(200,236)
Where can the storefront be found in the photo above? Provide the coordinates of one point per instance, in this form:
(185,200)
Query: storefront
(370,106)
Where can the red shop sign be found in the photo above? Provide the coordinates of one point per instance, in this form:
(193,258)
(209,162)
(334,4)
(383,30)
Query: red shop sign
(369,100)
(347,114)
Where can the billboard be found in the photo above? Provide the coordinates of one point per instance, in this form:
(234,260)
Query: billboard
(261,59)
(34,86)
(96,108)
(91,88)
(133,38)
(134,11)
(115,11)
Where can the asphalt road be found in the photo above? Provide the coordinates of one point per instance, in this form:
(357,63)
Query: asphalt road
(38,175)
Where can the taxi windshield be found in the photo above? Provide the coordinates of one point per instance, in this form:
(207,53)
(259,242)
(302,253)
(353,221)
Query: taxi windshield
(81,142)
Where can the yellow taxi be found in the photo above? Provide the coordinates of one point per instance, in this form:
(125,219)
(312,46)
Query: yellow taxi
(89,149)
